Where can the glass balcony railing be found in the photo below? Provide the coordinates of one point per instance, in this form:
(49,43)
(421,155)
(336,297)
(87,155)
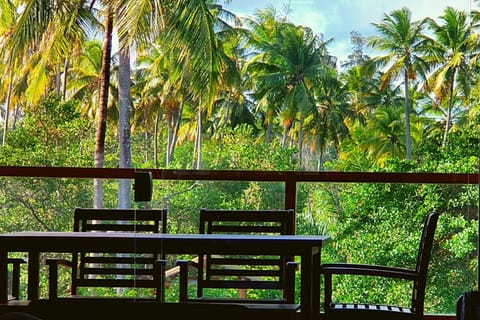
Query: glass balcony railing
(370,217)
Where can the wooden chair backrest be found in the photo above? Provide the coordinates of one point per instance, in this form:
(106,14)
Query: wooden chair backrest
(114,270)
(244,272)
(423,260)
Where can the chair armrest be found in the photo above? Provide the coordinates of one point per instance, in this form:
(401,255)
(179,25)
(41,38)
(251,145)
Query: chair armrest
(368,270)
(53,275)
(329,269)
(16,262)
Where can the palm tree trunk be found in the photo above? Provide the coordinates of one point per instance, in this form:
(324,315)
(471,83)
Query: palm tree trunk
(408,142)
(170,133)
(300,140)
(146,143)
(102,108)
(198,143)
(285,136)
(269,134)
(58,83)
(124,98)
(175,129)
(15,116)
(155,140)
(65,78)
(320,161)
(7,107)
(448,123)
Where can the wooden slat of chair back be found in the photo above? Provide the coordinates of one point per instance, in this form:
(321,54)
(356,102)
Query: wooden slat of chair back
(129,270)
(128,220)
(246,272)
(247,221)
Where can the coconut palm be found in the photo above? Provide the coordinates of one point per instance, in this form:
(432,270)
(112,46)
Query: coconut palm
(454,51)
(136,21)
(8,16)
(328,124)
(285,69)
(403,41)
(158,95)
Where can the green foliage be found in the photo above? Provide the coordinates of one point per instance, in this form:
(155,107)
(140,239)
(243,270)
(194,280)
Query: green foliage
(288,90)
(381,224)
(52,134)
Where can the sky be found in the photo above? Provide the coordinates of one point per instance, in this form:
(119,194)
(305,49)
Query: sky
(337,18)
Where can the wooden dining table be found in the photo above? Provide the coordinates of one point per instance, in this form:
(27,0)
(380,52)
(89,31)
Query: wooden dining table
(307,248)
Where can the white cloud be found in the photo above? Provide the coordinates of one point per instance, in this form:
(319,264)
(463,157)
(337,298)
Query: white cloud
(337,18)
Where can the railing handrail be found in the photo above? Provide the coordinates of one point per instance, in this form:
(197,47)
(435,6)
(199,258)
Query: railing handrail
(290,178)
(241,175)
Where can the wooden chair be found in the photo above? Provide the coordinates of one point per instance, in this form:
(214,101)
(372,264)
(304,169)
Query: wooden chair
(337,310)
(241,272)
(114,270)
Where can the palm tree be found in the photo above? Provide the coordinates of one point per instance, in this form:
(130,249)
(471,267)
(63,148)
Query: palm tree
(23,44)
(386,135)
(85,74)
(285,69)
(454,51)
(404,44)
(158,95)
(136,21)
(48,32)
(7,18)
(328,124)
(233,106)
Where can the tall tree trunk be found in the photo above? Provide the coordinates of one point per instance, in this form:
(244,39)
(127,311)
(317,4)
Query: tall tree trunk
(7,107)
(125,102)
(65,78)
(287,127)
(300,140)
(269,134)
(155,140)
(198,142)
(172,141)
(15,116)
(146,137)
(320,161)
(408,142)
(102,108)
(58,80)
(448,123)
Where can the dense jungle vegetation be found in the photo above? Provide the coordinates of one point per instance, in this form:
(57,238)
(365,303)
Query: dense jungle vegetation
(191,86)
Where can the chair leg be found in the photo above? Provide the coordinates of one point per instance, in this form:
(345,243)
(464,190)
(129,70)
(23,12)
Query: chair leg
(289,291)
(183,264)
(52,281)
(328,293)
(160,279)
(16,281)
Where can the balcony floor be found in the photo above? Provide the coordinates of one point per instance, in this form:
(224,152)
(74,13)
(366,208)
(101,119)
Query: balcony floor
(127,309)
